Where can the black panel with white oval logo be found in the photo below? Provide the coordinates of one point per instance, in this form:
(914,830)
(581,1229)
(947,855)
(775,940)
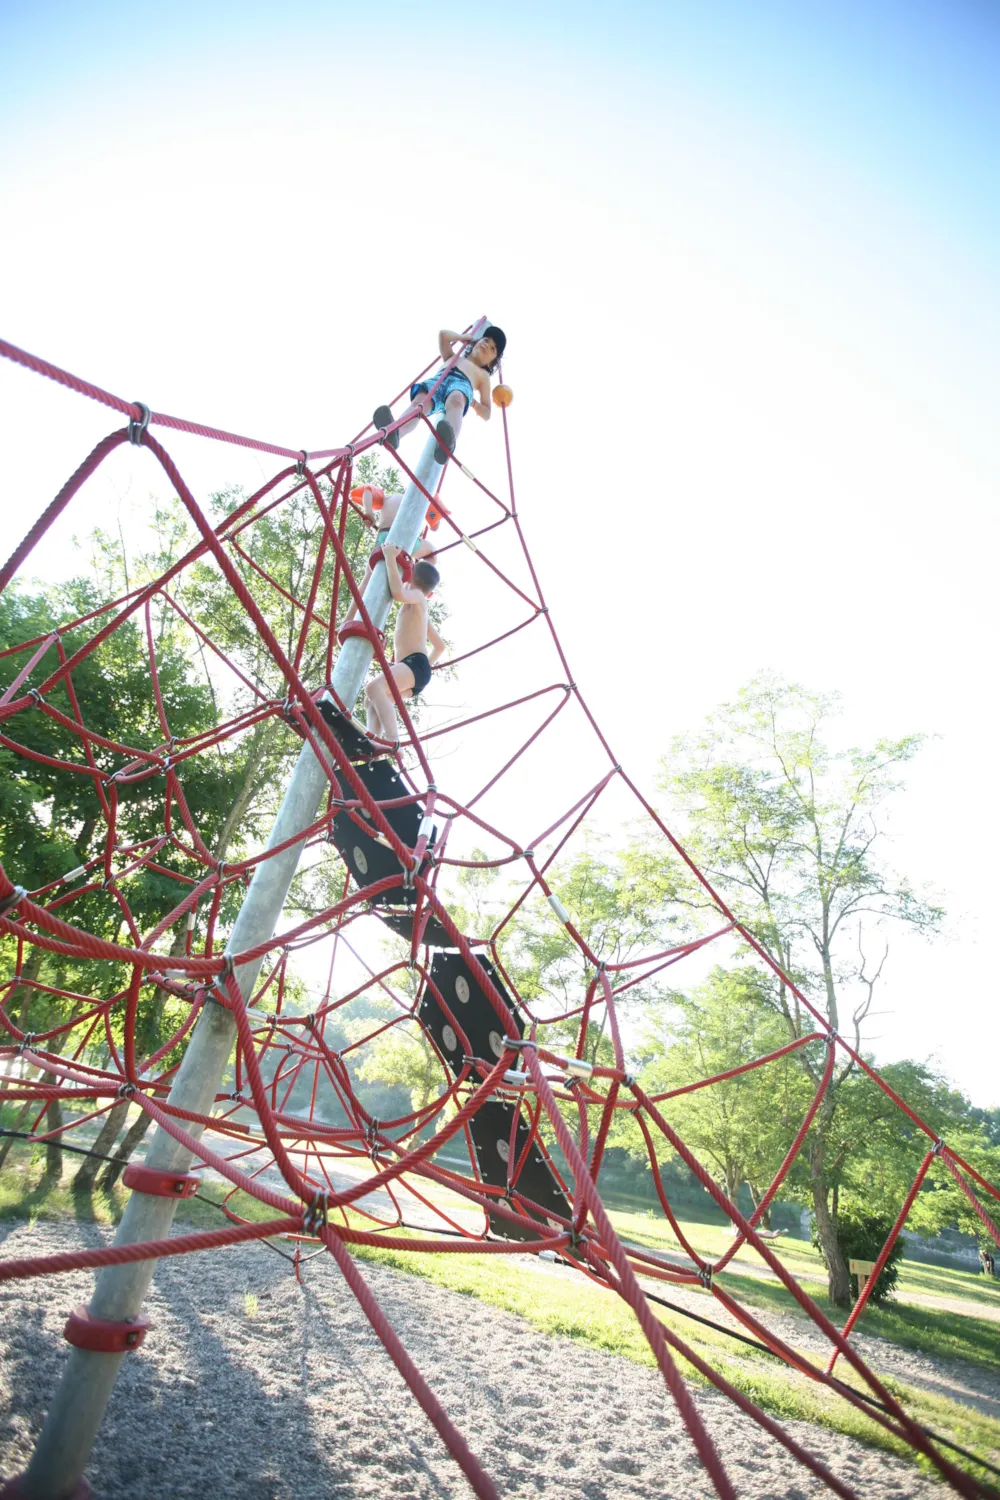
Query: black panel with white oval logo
(367,857)
(470,1007)
(490,1128)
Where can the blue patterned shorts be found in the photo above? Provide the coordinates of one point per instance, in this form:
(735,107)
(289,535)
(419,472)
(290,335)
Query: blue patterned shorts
(453,381)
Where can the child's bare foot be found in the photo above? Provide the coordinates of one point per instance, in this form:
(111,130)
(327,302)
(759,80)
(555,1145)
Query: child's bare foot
(382,417)
(446,442)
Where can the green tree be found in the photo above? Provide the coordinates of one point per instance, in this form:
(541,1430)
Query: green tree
(52,821)
(739,1129)
(789,831)
(876,1150)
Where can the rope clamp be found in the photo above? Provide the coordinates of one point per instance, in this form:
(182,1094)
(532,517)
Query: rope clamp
(126,1091)
(705,1277)
(137,426)
(527,853)
(577,1068)
(36,697)
(102,1335)
(16,896)
(315,1217)
(938,1147)
(300,464)
(160,1184)
(28,1040)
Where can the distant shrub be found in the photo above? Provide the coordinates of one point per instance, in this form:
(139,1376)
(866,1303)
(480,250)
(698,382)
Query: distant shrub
(861,1237)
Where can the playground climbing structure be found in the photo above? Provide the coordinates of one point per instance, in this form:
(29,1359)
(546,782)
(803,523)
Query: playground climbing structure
(506,1156)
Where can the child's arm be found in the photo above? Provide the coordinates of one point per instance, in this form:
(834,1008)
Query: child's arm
(446,338)
(438,644)
(389,550)
(482,407)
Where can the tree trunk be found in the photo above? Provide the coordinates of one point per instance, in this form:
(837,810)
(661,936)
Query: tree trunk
(52,1115)
(765,1220)
(21,996)
(108,1134)
(53,1120)
(133,1136)
(838,1282)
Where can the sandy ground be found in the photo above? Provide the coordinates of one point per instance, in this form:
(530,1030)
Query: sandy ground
(300,1400)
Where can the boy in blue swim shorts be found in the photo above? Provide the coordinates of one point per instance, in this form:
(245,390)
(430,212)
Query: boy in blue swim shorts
(467,383)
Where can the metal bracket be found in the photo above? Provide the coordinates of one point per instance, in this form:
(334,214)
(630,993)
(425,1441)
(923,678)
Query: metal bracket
(137,428)
(218,983)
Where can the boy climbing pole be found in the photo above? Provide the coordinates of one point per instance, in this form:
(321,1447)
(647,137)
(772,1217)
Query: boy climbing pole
(468,380)
(411,667)
(387,514)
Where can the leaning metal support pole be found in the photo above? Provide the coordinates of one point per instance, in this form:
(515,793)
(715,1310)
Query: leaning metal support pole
(71,1425)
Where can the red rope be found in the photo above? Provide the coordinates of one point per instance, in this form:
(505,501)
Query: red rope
(279,1055)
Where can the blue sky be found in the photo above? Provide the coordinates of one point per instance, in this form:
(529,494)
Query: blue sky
(746,256)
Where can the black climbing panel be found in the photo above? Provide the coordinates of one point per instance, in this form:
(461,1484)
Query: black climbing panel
(354,741)
(367,857)
(490,1129)
(434,934)
(470,1006)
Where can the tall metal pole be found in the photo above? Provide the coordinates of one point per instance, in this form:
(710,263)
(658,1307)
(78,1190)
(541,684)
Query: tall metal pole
(71,1425)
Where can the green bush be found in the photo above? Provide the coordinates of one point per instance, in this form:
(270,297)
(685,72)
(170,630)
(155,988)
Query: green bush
(861,1237)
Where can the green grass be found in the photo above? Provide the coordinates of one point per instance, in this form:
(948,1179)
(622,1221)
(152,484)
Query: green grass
(941,1332)
(560,1305)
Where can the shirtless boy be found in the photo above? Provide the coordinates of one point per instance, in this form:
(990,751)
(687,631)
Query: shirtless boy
(468,380)
(411,667)
(390,506)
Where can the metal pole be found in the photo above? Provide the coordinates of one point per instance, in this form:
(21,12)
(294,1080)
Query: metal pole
(71,1425)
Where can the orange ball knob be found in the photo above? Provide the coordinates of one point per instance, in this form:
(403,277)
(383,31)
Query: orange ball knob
(502,395)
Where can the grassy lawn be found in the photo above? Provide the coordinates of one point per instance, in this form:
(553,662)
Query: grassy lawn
(561,1304)
(938,1331)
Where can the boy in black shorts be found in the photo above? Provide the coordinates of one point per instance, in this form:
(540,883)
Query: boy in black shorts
(411,667)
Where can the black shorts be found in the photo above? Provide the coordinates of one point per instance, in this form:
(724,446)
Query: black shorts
(420,666)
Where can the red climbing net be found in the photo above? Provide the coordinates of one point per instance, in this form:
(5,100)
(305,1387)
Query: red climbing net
(506,1155)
